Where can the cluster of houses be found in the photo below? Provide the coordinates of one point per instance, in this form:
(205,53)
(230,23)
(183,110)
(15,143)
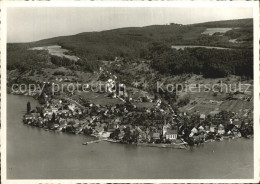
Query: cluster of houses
(127,123)
(176,132)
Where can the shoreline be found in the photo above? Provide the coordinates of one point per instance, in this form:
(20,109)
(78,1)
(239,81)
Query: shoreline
(183,145)
(174,146)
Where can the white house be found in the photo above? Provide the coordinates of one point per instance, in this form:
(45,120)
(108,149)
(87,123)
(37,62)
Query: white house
(202,117)
(194,130)
(221,129)
(72,107)
(54,110)
(47,112)
(212,128)
(171,134)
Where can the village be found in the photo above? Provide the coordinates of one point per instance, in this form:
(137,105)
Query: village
(158,125)
(131,114)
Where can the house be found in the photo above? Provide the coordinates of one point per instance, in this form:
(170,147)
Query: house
(212,128)
(105,134)
(62,121)
(165,128)
(113,108)
(138,129)
(156,135)
(202,137)
(117,120)
(221,129)
(229,132)
(237,123)
(171,134)
(236,132)
(76,125)
(202,117)
(65,112)
(194,130)
(99,130)
(72,107)
(143,135)
(54,110)
(201,128)
(207,128)
(121,93)
(196,138)
(79,111)
(35,115)
(112,126)
(28,117)
(89,119)
(47,112)
(74,113)
(149,136)
(121,135)
(48,116)
(59,105)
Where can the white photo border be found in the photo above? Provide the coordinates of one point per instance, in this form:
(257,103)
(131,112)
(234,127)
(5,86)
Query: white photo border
(216,4)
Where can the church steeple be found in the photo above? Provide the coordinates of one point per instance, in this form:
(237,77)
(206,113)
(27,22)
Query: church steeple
(164,128)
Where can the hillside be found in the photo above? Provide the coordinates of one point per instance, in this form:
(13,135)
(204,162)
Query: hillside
(134,42)
(127,41)
(227,23)
(130,42)
(146,55)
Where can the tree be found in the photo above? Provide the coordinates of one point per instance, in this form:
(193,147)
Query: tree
(127,137)
(53,118)
(41,114)
(184,100)
(115,134)
(28,107)
(212,63)
(135,136)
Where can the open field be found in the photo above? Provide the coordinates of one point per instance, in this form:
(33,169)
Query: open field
(56,50)
(237,106)
(210,102)
(97,98)
(211,31)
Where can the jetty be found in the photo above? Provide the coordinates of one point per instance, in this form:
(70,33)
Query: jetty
(95,141)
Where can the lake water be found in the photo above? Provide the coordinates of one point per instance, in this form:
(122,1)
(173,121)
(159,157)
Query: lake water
(33,153)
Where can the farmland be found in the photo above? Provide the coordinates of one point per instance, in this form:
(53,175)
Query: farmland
(56,50)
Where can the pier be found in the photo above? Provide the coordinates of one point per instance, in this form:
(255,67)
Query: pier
(95,141)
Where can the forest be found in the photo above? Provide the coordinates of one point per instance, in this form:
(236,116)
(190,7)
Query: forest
(22,59)
(151,43)
(211,63)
